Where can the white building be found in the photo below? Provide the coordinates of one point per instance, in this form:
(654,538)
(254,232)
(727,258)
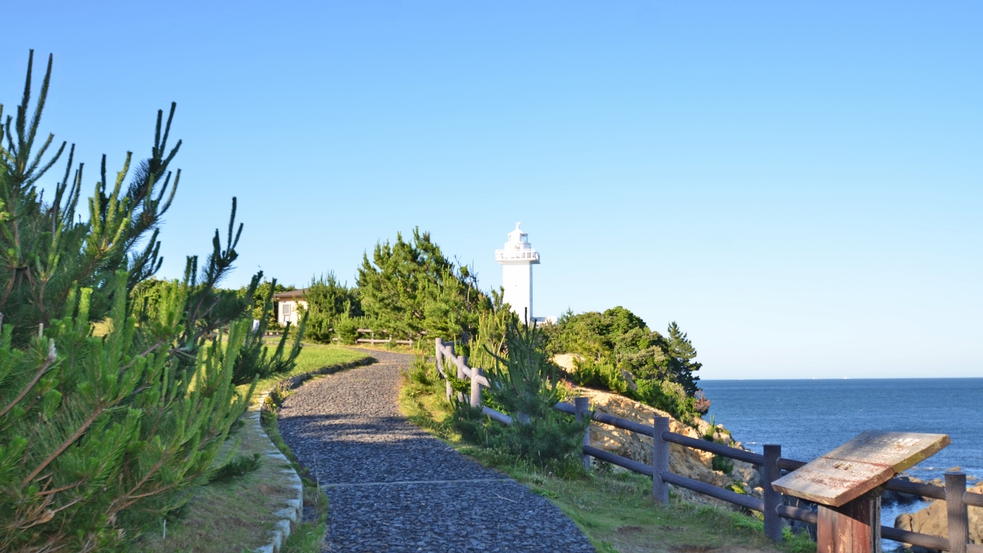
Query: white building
(517,259)
(288,306)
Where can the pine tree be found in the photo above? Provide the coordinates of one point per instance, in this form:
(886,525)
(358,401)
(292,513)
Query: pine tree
(255,360)
(411,289)
(327,300)
(98,430)
(681,354)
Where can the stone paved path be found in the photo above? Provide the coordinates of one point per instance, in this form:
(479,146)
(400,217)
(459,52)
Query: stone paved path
(394,488)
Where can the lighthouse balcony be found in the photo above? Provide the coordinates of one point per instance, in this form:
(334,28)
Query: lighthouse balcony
(529,255)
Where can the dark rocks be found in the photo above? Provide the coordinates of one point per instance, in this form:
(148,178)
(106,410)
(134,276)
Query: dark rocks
(392,487)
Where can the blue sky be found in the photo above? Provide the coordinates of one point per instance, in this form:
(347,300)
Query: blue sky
(798,185)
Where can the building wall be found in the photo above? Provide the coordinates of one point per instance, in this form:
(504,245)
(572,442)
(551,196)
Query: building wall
(287,311)
(517,282)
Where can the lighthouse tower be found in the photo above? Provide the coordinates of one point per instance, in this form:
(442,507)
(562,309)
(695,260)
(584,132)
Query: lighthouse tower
(517,259)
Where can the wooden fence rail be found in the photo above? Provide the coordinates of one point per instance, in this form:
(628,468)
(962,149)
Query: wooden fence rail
(373,340)
(771,462)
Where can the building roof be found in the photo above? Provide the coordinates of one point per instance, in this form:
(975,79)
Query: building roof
(517,234)
(290,295)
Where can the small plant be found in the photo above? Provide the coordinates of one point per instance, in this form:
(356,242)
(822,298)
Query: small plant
(723,464)
(346,327)
(711,430)
(237,466)
(526,384)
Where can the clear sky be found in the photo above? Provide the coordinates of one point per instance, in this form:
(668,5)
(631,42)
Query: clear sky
(798,184)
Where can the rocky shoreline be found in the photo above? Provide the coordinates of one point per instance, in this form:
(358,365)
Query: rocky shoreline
(934,519)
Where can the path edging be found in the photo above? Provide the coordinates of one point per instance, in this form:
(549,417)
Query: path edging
(294,510)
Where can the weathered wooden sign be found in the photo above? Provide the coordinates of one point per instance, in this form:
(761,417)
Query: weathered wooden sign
(859,466)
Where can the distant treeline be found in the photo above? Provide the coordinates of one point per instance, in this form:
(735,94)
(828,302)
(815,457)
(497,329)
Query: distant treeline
(411,290)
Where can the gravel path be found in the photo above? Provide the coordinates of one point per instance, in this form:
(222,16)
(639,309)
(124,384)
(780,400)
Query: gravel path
(393,488)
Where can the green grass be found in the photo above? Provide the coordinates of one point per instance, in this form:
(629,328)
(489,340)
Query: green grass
(615,510)
(237,514)
(311,358)
(227,516)
(308,537)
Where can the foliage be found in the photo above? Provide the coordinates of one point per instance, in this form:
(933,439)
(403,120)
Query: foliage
(680,357)
(147,296)
(237,466)
(329,300)
(410,289)
(489,342)
(99,432)
(621,354)
(525,384)
(264,290)
(46,252)
(723,464)
(255,360)
(346,327)
(123,431)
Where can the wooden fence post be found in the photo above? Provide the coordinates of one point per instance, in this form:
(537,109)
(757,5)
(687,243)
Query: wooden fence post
(660,461)
(582,406)
(475,387)
(460,374)
(440,366)
(773,498)
(955,490)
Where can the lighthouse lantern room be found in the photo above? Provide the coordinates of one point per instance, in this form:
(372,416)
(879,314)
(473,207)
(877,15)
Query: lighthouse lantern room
(517,259)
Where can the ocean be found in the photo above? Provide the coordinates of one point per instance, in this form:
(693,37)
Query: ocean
(811,417)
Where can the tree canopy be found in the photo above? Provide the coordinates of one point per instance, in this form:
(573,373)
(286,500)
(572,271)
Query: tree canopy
(620,353)
(410,289)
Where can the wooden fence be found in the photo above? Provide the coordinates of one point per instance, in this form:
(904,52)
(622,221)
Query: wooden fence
(771,462)
(373,340)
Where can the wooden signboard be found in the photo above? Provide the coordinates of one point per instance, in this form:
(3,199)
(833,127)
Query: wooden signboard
(844,482)
(859,466)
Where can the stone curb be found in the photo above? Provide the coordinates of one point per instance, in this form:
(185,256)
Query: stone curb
(294,509)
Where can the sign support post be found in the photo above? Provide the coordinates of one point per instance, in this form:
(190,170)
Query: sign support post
(847,484)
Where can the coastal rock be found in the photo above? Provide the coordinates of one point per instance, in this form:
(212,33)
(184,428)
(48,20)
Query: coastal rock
(933,519)
(567,361)
(682,460)
(891,497)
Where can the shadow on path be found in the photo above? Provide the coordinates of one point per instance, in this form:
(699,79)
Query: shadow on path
(393,488)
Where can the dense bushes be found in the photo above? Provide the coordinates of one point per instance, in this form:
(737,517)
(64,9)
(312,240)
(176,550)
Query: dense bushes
(255,360)
(333,308)
(410,289)
(525,384)
(618,352)
(100,431)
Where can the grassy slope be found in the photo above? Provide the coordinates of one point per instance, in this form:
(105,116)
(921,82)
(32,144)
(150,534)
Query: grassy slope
(238,514)
(615,511)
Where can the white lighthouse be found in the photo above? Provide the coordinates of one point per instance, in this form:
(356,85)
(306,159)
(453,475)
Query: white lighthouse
(517,259)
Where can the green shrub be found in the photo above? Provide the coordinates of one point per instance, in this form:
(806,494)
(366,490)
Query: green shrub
(328,300)
(621,354)
(525,385)
(100,433)
(237,466)
(255,360)
(346,327)
(723,464)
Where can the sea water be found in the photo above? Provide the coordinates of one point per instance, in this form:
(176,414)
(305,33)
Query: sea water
(811,417)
